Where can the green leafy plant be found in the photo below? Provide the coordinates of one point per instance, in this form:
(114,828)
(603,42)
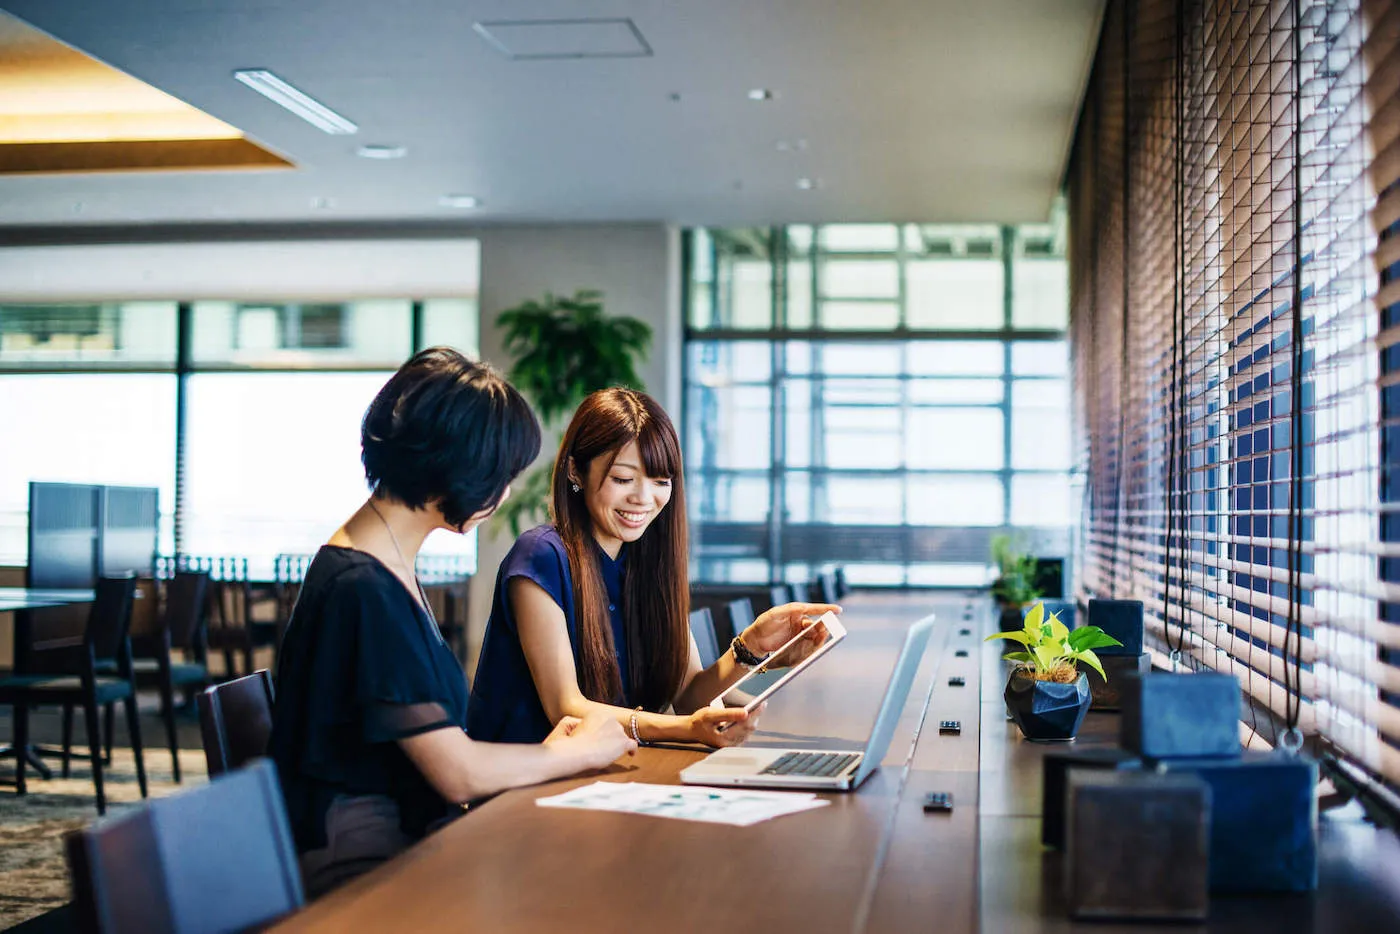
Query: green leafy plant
(564,348)
(1053,649)
(1015,583)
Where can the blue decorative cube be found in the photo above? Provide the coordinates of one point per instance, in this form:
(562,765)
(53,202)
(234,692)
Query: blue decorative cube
(1177,716)
(1121,619)
(1263,826)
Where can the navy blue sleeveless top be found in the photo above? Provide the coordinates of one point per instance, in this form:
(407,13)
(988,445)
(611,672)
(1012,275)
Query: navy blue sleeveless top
(505,706)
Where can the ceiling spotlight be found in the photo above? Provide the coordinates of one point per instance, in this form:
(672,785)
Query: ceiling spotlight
(807,184)
(459,201)
(374,151)
(760,94)
(296,100)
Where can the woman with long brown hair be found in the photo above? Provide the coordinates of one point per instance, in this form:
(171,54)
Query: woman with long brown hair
(590,612)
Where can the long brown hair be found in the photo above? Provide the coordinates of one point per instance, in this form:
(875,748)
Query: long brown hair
(655,588)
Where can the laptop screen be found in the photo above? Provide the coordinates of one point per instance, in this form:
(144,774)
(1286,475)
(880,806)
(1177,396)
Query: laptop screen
(901,680)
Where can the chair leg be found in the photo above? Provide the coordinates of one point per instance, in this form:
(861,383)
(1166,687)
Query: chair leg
(95,745)
(67,737)
(111,731)
(21,714)
(167,708)
(133,725)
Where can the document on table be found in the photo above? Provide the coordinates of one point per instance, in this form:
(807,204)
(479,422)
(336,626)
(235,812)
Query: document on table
(738,807)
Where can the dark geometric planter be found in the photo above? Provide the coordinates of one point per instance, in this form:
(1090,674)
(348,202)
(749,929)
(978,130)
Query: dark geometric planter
(1108,695)
(1046,711)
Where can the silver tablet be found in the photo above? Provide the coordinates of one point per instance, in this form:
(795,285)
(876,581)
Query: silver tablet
(789,655)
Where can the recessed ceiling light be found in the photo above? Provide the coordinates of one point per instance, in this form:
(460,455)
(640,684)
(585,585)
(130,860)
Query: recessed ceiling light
(807,184)
(296,100)
(375,151)
(760,94)
(459,201)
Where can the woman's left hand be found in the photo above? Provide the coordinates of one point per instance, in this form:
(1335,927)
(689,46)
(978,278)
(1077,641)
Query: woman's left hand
(776,626)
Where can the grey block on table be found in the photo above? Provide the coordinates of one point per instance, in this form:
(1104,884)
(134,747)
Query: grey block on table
(1137,846)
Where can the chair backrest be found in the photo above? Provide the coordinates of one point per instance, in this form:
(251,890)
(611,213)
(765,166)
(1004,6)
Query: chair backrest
(780,594)
(145,609)
(825,587)
(740,615)
(184,606)
(842,586)
(109,620)
(235,721)
(702,627)
(212,859)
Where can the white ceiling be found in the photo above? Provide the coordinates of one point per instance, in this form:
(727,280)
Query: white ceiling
(912,110)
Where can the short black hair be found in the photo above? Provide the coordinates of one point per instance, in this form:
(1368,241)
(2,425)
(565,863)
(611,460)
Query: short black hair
(447,429)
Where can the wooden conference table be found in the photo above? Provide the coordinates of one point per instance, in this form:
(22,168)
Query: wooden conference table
(870,861)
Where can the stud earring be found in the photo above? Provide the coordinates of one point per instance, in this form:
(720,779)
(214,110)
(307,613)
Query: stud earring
(575,487)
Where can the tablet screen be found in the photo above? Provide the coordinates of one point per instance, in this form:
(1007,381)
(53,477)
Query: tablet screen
(793,657)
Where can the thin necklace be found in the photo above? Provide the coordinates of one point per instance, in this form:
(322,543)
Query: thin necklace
(427,607)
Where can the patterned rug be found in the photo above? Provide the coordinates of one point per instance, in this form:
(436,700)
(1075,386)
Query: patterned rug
(33,874)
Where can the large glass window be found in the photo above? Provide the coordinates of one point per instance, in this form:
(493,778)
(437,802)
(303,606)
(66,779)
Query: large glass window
(813,438)
(274,392)
(66,427)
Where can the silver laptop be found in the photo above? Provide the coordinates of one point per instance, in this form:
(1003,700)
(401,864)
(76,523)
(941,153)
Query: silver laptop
(821,770)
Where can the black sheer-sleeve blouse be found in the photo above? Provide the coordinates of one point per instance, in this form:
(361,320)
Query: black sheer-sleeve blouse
(361,666)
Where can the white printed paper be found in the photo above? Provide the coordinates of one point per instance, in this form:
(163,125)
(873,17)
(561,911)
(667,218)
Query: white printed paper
(737,807)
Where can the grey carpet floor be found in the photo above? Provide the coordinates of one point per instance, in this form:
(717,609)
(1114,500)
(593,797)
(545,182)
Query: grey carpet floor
(33,875)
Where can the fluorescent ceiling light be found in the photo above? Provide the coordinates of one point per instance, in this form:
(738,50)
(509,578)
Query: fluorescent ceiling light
(760,94)
(459,201)
(298,102)
(375,151)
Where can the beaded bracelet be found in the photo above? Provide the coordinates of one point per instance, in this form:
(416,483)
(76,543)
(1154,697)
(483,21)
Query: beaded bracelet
(636,737)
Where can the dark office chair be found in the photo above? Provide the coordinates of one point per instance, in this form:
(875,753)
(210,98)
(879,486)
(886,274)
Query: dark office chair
(702,627)
(842,587)
(824,587)
(77,681)
(179,626)
(235,721)
(212,859)
(784,593)
(741,616)
(232,628)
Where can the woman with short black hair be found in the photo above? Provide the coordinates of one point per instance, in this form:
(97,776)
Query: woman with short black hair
(369,727)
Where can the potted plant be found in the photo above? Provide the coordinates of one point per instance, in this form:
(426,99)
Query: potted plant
(563,348)
(1047,695)
(1014,587)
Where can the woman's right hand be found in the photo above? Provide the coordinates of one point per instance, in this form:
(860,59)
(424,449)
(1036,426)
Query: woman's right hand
(738,725)
(598,740)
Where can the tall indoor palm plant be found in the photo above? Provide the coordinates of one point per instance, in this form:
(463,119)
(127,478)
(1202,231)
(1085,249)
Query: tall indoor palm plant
(562,349)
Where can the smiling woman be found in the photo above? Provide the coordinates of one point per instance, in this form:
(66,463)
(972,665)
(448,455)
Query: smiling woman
(590,613)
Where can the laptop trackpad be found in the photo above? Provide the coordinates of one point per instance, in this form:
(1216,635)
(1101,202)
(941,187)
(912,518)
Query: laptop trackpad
(732,760)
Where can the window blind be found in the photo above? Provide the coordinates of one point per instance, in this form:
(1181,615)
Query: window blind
(1234,206)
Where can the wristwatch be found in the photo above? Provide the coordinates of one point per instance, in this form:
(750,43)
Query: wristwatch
(743,656)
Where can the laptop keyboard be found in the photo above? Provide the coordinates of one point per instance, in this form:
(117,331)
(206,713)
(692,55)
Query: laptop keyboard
(818,764)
